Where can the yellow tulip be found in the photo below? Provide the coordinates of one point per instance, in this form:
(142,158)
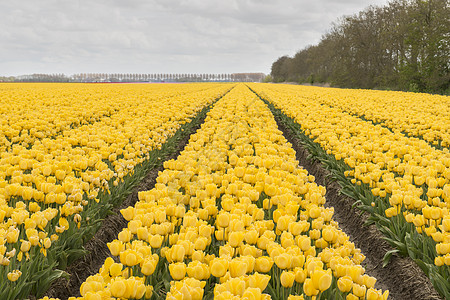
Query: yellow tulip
(252,293)
(270,190)
(25,246)
(14,275)
(47,243)
(359,290)
(446,221)
(237,286)
(115,247)
(200,243)
(283,222)
(263,264)
(354,272)
(300,275)
(133,226)
(295,228)
(142,234)
(328,234)
(235,238)
(314,212)
(156,241)
(293,297)
(12,236)
(118,287)
(283,261)
(198,255)
(308,288)
(125,235)
(218,267)
(148,266)
(372,294)
(287,279)
(369,281)
(259,281)
(251,236)
(345,284)
(321,279)
(303,242)
(223,220)
(130,258)
(237,268)
(351,297)
(115,269)
(92,296)
(211,189)
(198,270)
(177,253)
(177,270)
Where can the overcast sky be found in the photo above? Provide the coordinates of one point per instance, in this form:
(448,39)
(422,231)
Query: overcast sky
(160,36)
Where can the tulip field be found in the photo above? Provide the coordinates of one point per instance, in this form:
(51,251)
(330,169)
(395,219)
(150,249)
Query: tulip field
(389,151)
(65,149)
(234,215)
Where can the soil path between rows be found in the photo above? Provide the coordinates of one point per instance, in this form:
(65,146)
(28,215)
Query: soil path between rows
(402,277)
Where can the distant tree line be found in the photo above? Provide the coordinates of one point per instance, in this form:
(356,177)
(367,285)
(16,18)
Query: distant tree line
(154,77)
(134,77)
(42,78)
(404,45)
(7,78)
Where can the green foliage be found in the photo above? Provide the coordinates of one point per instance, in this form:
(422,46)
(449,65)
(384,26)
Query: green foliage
(404,45)
(267,79)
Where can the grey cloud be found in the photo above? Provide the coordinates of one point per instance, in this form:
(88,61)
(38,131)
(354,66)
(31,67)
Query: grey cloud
(161,36)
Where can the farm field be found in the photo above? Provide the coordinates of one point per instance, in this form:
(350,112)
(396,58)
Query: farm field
(68,153)
(389,152)
(234,215)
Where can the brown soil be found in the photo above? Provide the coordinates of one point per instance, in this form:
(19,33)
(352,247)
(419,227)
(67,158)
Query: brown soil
(402,277)
(90,264)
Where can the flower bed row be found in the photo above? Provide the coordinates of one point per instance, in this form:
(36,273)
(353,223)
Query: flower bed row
(233,217)
(414,114)
(403,182)
(54,194)
(31,112)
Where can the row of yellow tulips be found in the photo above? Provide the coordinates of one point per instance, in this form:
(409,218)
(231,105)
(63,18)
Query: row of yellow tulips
(419,115)
(401,178)
(233,217)
(48,189)
(32,112)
